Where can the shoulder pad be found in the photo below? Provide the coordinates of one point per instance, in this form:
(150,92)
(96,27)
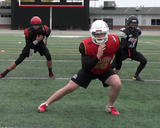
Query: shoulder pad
(122,34)
(122,29)
(139,29)
(26,33)
(46,28)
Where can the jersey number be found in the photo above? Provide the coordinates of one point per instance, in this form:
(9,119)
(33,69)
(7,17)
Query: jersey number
(103,63)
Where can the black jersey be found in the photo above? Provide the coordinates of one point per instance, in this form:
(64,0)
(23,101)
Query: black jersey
(126,34)
(31,34)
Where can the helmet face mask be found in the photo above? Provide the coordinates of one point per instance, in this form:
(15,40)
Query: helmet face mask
(99,32)
(132,22)
(36,27)
(36,22)
(99,38)
(133,25)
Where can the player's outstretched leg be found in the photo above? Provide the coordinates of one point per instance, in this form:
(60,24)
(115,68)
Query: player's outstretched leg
(70,87)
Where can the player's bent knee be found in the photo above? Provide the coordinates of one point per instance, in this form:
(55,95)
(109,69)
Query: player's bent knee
(144,62)
(114,81)
(117,83)
(20,59)
(49,58)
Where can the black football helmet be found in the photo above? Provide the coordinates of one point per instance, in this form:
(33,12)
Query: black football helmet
(132,22)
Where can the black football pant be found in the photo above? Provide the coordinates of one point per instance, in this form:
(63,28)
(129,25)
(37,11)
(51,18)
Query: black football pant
(25,53)
(135,55)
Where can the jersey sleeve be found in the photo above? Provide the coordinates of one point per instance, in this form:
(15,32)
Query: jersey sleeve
(82,48)
(87,62)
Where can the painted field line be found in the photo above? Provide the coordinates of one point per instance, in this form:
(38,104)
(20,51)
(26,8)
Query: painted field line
(32,60)
(67,36)
(64,78)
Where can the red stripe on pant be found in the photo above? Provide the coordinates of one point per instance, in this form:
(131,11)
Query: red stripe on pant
(129,52)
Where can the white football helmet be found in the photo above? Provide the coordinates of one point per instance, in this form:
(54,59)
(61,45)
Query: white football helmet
(99,27)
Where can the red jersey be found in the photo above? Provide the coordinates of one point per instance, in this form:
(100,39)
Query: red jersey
(91,49)
(31,33)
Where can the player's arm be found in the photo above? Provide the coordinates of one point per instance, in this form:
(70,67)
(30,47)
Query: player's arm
(48,32)
(87,62)
(136,34)
(117,59)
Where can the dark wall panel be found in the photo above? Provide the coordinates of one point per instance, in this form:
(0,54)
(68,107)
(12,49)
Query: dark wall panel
(63,18)
(74,17)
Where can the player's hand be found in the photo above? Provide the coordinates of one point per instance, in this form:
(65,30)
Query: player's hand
(45,42)
(115,70)
(101,48)
(131,40)
(39,38)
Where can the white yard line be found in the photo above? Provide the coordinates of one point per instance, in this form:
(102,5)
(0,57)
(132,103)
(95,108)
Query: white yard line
(67,36)
(61,78)
(33,78)
(71,61)
(5,60)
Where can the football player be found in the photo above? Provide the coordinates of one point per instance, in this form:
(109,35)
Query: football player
(97,52)
(36,41)
(129,39)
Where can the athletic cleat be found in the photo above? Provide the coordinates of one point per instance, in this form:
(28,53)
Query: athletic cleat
(112,110)
(42,107)
(1,75)
(51,75)
(137,78)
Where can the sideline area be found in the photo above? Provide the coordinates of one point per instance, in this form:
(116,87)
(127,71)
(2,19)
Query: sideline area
(78,32)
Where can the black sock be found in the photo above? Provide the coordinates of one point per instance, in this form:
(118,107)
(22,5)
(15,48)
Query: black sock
(50,69)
